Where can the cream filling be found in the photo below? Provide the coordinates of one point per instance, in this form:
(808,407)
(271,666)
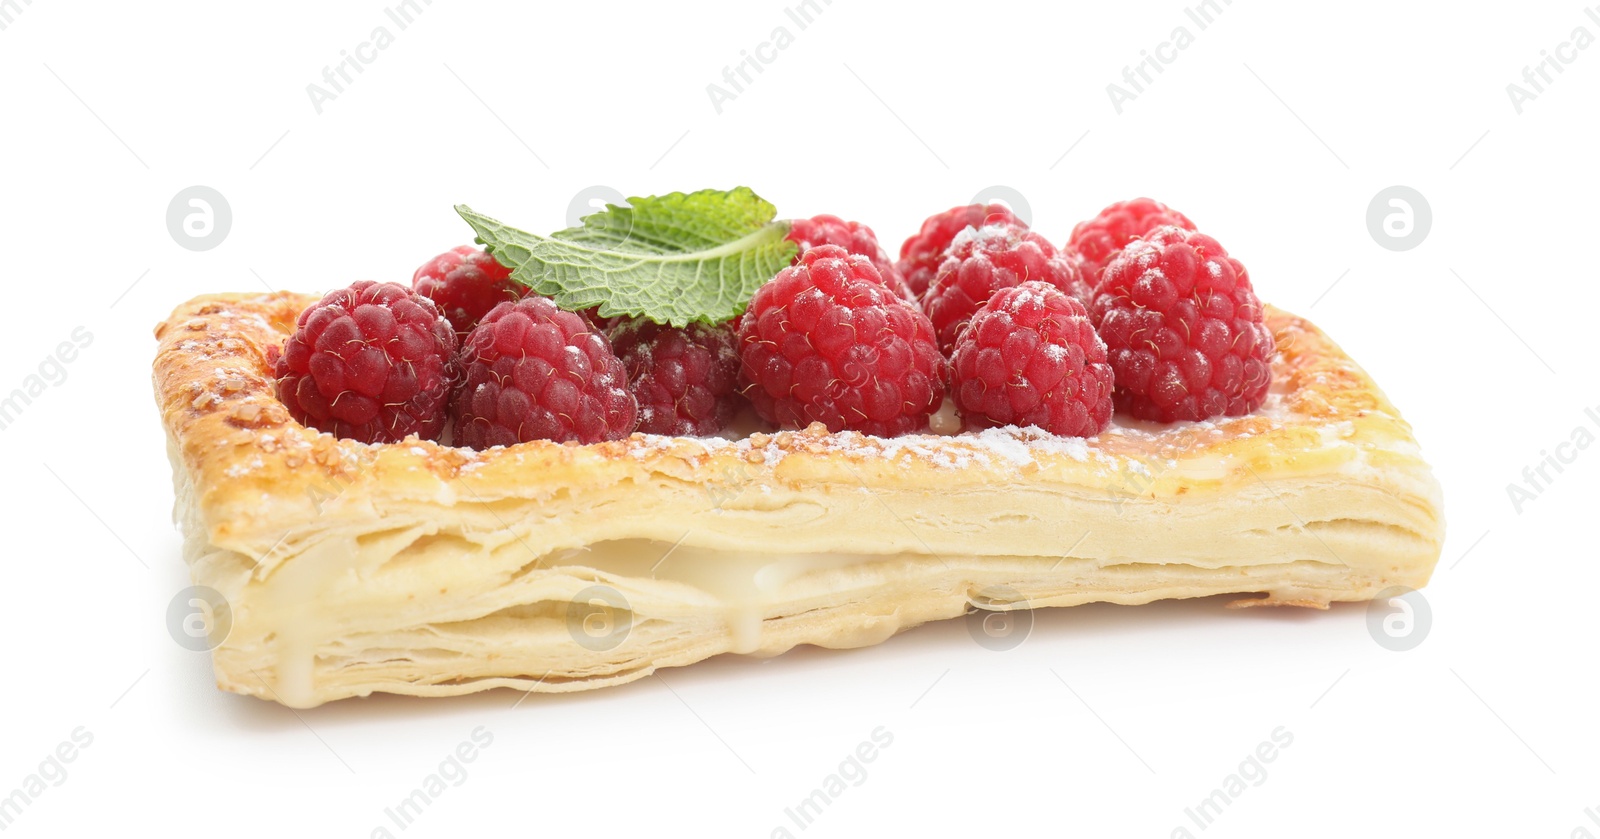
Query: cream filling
(294,597)
(747,585)
(492,570)
(741,588)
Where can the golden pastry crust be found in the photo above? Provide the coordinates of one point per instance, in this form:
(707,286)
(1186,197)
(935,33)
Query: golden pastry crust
(425,569)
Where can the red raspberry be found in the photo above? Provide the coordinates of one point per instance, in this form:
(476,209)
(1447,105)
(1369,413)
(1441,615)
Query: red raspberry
(466,282)
(1031,357)
(604,324)
(373,362)
(686,380)
(854,237)
(1098,239)
(1186,335)
(534,372)
(984,260)
(921,255)
(826,342)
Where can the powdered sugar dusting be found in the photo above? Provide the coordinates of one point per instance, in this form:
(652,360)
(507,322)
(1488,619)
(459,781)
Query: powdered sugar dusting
(1011,446)
(1021,296)
(983,235)
(245,467)
(1006,446)
(1122,447)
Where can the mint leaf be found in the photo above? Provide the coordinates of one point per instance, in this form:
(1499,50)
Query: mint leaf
(673,259)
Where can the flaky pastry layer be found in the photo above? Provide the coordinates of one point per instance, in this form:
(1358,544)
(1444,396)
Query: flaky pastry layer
(418,568)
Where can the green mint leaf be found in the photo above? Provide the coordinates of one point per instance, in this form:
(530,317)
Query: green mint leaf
(673,259)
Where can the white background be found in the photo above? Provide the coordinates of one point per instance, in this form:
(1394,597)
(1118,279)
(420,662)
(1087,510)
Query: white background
(1273,131)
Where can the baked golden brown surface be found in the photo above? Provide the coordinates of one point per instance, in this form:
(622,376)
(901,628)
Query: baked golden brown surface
(424,569)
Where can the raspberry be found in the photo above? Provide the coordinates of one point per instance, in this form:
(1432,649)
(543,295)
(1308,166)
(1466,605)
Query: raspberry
(373,362)
(686,380)
(603,324)
(1186,335)
(1098,239)
(984,260)
(466,282)
(854,237)
(826,342)
(534,372)
(921,254)
(1031,357)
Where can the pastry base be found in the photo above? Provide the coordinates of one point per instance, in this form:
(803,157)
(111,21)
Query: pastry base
(416,568)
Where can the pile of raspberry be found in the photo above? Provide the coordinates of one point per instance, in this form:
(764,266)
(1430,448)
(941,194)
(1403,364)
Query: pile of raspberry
(1138,314)
(469,355)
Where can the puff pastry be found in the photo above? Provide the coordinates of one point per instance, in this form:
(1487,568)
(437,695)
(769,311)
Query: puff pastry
(417,568)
